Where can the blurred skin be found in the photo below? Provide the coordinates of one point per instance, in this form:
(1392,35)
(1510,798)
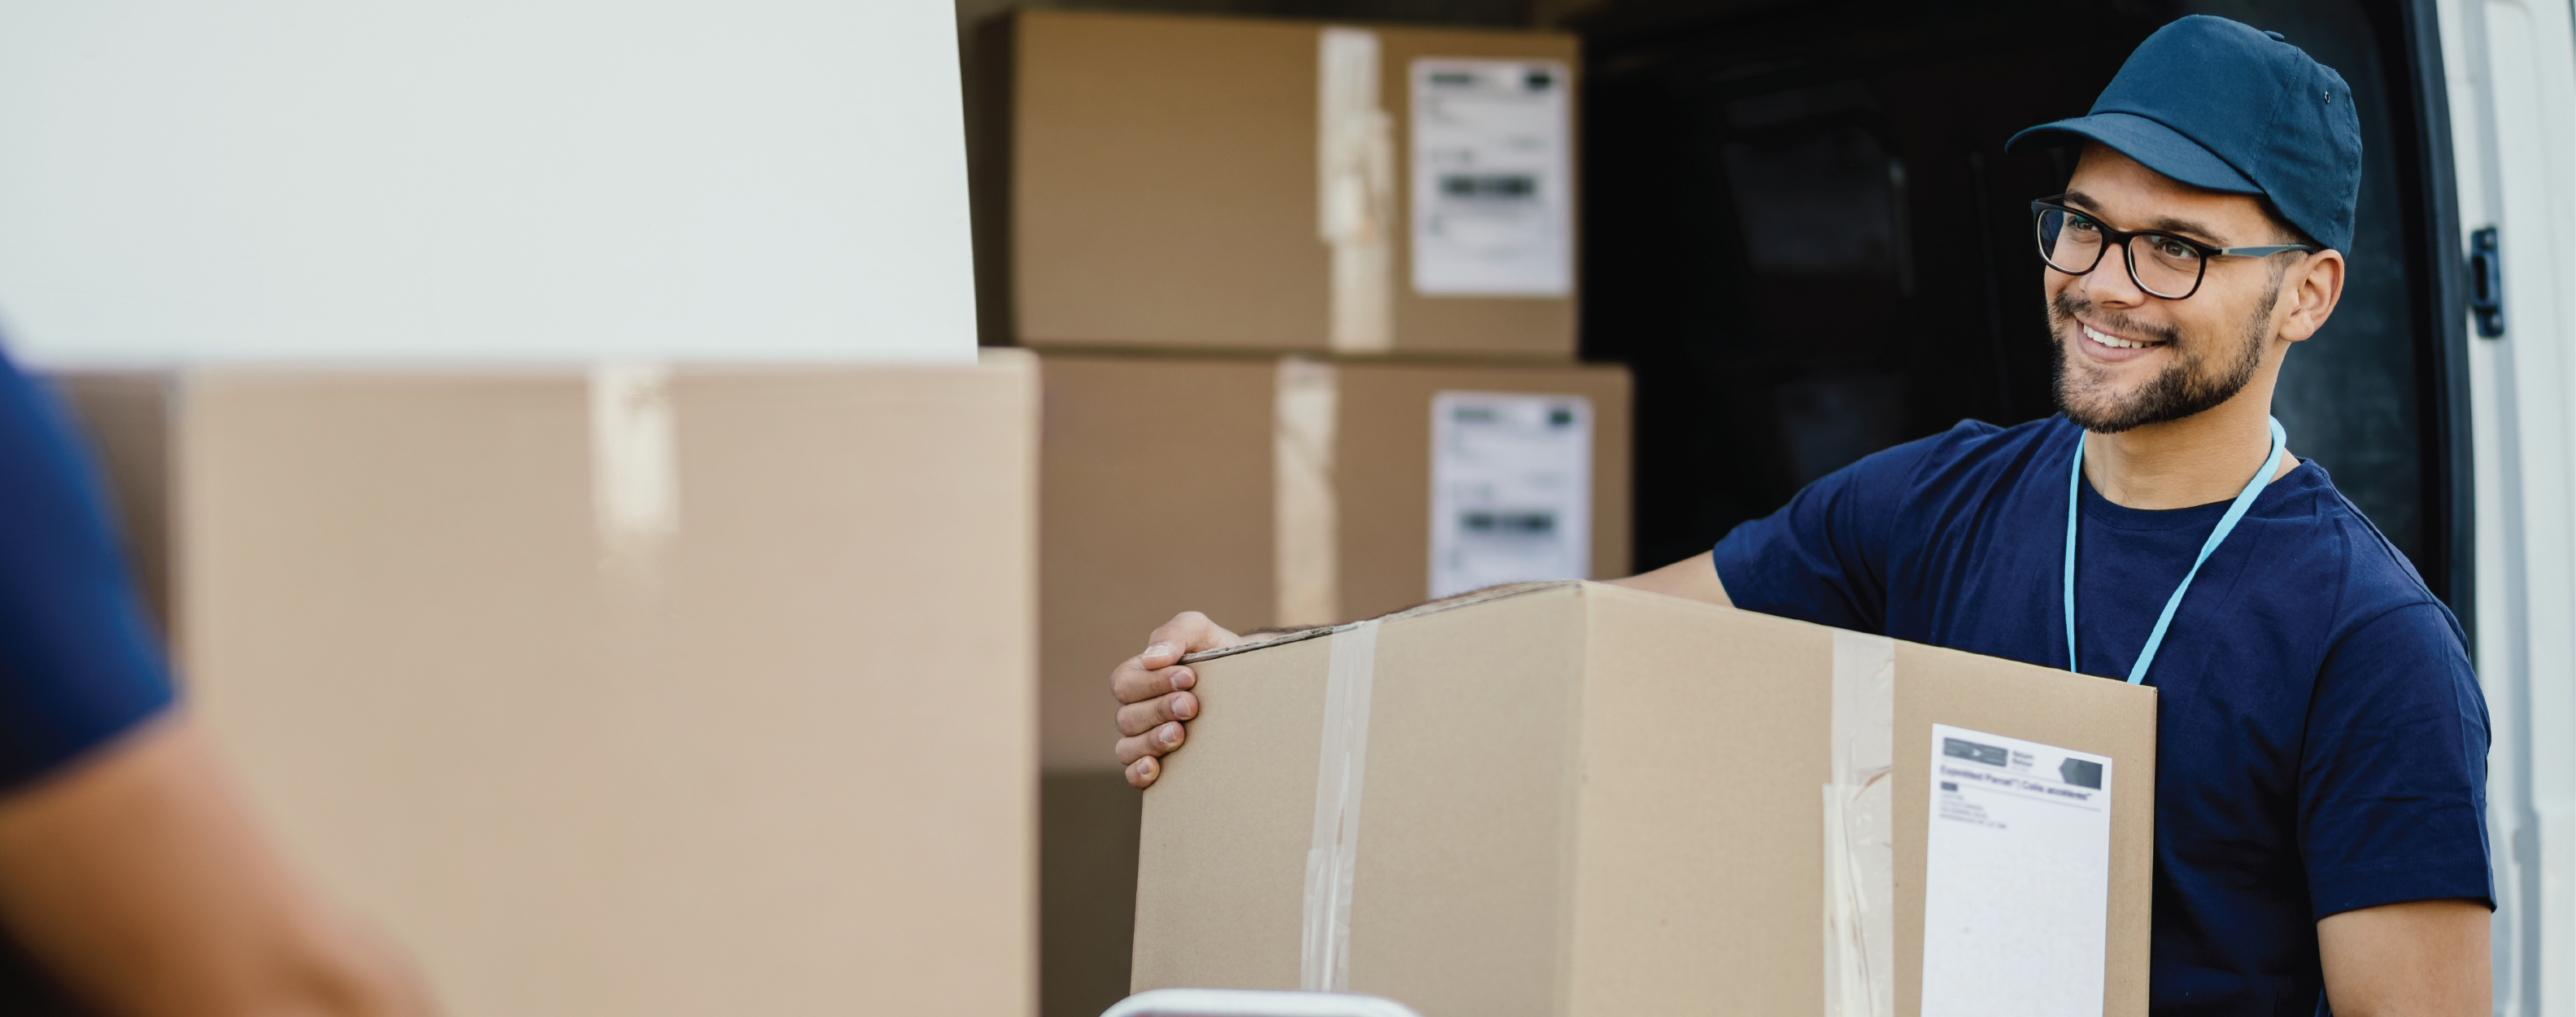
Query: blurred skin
(138,879)
(2180,422)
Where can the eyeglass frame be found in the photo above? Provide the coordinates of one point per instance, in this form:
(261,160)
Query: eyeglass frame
(2129,255)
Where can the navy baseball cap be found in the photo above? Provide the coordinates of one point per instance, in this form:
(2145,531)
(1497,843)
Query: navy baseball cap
(2219,104)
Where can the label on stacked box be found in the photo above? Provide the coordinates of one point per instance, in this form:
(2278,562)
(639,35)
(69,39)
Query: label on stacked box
(1491,191)
(1511,489)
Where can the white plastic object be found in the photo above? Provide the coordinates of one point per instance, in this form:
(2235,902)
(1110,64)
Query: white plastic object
(1254,1003)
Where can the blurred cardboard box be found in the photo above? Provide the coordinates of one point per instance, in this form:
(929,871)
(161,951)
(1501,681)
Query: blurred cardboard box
(1587,800)
(1270,492)
(689,692)
(1249,184)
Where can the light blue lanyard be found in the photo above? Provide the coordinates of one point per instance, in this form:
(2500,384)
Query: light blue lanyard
(2226,523)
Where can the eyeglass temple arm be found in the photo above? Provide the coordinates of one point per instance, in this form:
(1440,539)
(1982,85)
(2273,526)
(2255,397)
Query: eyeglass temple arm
(2258,252)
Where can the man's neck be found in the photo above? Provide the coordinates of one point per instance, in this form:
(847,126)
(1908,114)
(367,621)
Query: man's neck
(2203,458)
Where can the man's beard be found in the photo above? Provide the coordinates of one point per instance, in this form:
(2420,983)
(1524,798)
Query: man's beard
(2181,390)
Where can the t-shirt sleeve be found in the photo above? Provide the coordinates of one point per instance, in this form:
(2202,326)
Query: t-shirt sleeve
(1823,557)
(79,663)
(2393,780)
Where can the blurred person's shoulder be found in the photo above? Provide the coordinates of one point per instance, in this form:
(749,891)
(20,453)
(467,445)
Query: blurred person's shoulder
(81,662)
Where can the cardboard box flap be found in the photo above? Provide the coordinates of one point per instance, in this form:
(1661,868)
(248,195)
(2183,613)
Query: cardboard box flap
(1492,593)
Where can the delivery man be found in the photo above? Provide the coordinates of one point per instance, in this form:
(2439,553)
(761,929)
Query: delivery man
(2321,740)
(132,880)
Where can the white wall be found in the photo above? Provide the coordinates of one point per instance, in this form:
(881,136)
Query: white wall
(477,180)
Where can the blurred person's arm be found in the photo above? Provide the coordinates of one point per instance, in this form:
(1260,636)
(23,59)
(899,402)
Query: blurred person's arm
(138,880)
(130,871)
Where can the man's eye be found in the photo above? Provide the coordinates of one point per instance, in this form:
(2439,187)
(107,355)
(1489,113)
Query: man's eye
(2080,224)
(2175,249)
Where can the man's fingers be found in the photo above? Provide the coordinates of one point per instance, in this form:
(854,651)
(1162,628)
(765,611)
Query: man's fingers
(1188,632)
(1155,742)
(1156,672)
(1132,683)
(1138,718)
(1153,691)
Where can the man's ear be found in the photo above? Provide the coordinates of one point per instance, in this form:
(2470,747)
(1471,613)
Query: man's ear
(2311,292)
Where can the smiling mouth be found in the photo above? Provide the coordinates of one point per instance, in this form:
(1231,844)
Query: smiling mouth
(2115,342)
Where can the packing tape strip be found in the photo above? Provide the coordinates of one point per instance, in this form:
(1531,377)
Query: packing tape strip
(1355,190)
(1860,831)
(1306,538)
(1332,859)
(634,461)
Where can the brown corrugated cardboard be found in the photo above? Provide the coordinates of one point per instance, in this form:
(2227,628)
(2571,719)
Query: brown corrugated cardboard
(1587,800)
(1159,179)
(752,735)
(1161,494)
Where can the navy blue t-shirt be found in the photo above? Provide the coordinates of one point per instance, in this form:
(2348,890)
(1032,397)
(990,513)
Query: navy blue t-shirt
(79,664)
(2321,741)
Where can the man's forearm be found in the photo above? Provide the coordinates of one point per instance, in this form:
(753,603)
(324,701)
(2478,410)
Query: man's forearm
(1692,578)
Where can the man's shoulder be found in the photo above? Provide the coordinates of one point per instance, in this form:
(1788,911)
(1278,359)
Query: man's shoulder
(1976,439)
(2374,581)
(1974,457)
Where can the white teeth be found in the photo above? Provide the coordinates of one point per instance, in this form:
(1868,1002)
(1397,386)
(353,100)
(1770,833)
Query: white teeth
(2114,342)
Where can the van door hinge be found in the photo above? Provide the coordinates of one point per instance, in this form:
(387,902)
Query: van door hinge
(2486,283)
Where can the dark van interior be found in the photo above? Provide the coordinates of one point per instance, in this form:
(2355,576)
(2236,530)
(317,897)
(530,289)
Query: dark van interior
(1804,235)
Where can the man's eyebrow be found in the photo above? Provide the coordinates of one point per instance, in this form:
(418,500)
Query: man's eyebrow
(2161,224)
(2196,231)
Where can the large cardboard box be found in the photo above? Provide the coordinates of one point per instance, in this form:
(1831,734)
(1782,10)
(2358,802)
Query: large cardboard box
(1251,184)
(1588,800)
(633,693)
(1270,492)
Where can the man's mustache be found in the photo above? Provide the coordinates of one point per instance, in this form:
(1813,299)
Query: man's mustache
(2067,307)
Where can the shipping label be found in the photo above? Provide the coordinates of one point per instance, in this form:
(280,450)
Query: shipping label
(2017,880)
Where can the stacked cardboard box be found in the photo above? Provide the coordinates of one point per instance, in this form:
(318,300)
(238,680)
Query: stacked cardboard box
(1243,184)
(1569,800)
(1306,294)
(641,692)
(1177,484)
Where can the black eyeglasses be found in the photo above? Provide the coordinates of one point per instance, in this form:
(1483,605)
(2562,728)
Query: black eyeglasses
(2162,264)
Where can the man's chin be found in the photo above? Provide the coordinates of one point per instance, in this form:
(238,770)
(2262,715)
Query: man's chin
(2164,398)
(2094,396)
(2102,419)
(2110,399)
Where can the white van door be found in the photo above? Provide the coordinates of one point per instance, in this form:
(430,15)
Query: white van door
(2511,70)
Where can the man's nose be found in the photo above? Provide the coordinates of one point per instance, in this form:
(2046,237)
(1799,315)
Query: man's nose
(2109,283)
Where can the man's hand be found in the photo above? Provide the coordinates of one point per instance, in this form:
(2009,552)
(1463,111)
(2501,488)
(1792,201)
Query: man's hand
(1155,704)
(2425,958)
